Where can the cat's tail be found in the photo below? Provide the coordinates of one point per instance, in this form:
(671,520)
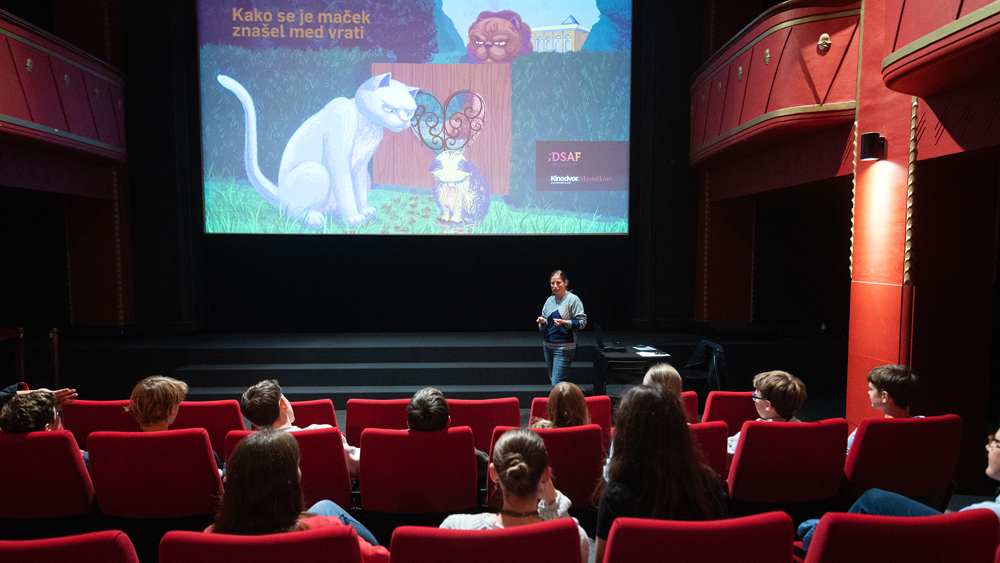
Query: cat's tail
(263,185)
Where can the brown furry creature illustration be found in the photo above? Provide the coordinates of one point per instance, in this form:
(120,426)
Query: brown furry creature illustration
(498,37)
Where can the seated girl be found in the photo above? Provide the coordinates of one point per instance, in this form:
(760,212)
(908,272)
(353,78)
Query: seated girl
(520,465)
(654,471)
(567,407)
(666,377)
(264,496)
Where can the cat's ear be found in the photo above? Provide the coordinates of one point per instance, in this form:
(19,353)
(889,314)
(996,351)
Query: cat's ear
(517,24)
(384,80)
(466,166)
(414,92)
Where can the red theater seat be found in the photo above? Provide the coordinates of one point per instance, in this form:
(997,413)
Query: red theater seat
(322,545)
(374,413)
(483,416)
(218,418)
(710,439)
(319,411)
(556,541)
(81,417)
(109,546)
(43,476)
(599,408)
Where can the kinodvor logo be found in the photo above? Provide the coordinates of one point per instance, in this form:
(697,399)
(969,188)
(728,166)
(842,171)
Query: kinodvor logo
(565,156)
(563,179)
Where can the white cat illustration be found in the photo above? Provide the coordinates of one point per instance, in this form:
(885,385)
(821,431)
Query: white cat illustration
(324,168)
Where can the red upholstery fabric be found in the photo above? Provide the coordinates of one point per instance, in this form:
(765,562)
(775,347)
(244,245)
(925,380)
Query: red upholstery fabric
(338,544)
(414,472)
(108,546)
(43,476)
(969,536)
(761,538)
(374,413)
(217,417)
(710,440)
(787,462)
(81,417)
(689,400)
(322,462)
(599,408)
(167,474)
(556,541)
(483,416)
(576,458)
(908,456)
(732,407)
(320,411)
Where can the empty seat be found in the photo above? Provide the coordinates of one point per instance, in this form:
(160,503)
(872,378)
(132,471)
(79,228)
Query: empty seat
(689,400)
(599,408)
(374,413)
(417,472)
(576,457)
(969,536)
(81,417)
(913,457)
(321,460)
(170,474)
(319,411)
(760,538)
(482,416)
(556,541)
(108,546)
(732,407)
(43,476)
(322,545)
(709,439)
(218,418)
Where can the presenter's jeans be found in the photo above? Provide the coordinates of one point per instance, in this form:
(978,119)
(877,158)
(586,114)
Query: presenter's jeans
(558,361)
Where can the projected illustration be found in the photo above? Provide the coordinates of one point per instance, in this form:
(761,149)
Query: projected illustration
(427,117)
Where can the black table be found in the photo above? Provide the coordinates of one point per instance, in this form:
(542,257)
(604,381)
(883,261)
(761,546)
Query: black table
(606,363)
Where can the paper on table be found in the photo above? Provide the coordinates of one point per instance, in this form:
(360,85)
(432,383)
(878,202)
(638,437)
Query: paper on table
(656,354)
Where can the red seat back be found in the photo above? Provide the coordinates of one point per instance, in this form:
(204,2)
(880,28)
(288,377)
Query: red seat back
(320,545)
(732,407)
(576,457)
(598,407)
(788,462)
(969,536)
(761,538)
(81,417)
(909,456)
(43,476)
(107,546)
(689,400)
(216,417)
(709,439)
(556,541)
(168,474)
(319,411)
(374,413)
(483,416)
(415,472)
(321,460)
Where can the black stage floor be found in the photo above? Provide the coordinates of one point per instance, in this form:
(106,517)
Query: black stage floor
(392,365)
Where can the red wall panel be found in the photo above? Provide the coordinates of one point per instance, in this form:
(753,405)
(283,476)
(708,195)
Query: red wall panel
(12,100)
(38,85)
(100,95)
(718,85)
(921,17)
(805,73)
(762,73)
(738,79)
(73,94)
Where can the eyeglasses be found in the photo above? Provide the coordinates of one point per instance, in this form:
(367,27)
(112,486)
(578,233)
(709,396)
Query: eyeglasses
(992,441)
(755,397)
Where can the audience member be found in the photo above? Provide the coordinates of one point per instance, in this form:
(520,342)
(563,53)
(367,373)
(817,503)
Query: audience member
(884,503)
(520,466)
(567,407)
(667,377)
(778,395)
(428,412)
(264,496)
(32,411)
(891,389)
(155,401)
(63,395)
(265,406)
(654,470)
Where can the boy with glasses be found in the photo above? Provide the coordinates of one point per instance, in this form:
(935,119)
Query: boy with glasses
(778,395)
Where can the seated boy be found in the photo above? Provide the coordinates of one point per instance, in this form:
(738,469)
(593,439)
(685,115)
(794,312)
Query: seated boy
(265,406)
(778,395)
(428,412)
(155,402)
(32,411)
(891,389)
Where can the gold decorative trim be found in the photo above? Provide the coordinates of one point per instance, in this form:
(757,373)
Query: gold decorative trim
(910,183)
(58,133)
(840,106)
(52,53)
(704,254)
(119,278)
(854,202)
(950,28)
(775,28)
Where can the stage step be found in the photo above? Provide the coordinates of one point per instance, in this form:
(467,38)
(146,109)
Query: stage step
(339,395)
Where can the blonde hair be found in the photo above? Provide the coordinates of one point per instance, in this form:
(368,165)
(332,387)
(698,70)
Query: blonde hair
(785,391)
(153,397)
(567,407)
(666,377)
